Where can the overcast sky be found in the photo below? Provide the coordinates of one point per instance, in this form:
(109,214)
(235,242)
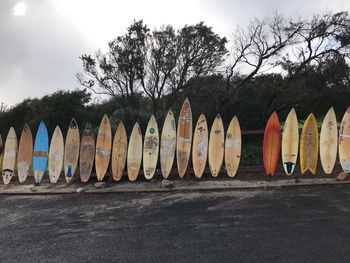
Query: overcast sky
(41,40)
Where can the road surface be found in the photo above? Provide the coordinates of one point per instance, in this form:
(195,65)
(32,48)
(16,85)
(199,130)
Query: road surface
(282,225)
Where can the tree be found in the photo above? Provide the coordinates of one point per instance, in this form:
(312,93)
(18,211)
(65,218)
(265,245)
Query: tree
(158,64)
(267,44)
(319,39)
(54,109)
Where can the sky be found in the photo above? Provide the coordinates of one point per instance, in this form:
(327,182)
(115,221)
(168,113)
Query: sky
(41,40)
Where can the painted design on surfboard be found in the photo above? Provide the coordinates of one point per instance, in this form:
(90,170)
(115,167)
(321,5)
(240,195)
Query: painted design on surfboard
(10,152)
(56,152)
(40,154)
(200,146)
(289,167)
(328,141)
(87,153)
(71,151)
(151,148)
(345,164)
(216,146)
(168,144)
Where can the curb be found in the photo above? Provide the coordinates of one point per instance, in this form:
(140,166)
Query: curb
(155,187)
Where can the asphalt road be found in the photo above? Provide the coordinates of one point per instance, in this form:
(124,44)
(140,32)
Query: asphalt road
(283,225)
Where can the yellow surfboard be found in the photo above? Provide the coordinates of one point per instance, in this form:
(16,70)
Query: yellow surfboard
(119,150)
(150,148)
(344,142)
(309,145)
(329,141)
(216,146)
(290,142)
(134,157)
(103,148)
(233,146)
(168,144)
(200,146)
(184,138)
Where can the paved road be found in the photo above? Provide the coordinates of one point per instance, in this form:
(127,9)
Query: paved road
(284,225)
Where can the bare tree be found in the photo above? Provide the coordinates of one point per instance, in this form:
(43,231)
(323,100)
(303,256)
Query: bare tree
(254,51)
(319,38)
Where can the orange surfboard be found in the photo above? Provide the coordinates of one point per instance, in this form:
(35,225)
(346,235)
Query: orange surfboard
(271,145)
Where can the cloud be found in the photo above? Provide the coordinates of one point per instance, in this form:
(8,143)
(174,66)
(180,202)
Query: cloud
(42,39)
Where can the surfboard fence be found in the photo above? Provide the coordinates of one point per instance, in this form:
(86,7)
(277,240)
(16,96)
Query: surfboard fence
(197,151)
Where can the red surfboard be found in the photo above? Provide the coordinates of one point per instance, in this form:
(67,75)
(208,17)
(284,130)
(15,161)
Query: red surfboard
(272,143)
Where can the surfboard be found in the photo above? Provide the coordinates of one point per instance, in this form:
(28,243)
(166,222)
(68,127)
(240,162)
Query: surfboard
(25,153)
(184,138)
(271,144)
(309,145)
(10,152)
(329,141)
(290,142)
(216,146)
(233,146)
(168,144)
(119,151)
(56,155)
(87,153)
(150,148)
(344,142)
(71,150)
(41,149)
(134,152)
(200,146)
(103,148)
(1,151)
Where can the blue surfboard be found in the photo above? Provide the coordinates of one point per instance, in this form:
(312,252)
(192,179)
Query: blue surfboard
(41,149)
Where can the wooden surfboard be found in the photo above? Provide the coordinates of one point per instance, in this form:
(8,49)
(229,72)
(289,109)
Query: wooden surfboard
(309,145)
(25,153)
(87,153)
(329,141)
(103,148)
(40,154)
(233,146)
(134,157)
(344,142)
(10,153)
(216,146)
(56,155)
(184,138)
(71,150)
(290,142)
(119,151)
(271,144)
(168,144)
(200,146)
(150,148)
